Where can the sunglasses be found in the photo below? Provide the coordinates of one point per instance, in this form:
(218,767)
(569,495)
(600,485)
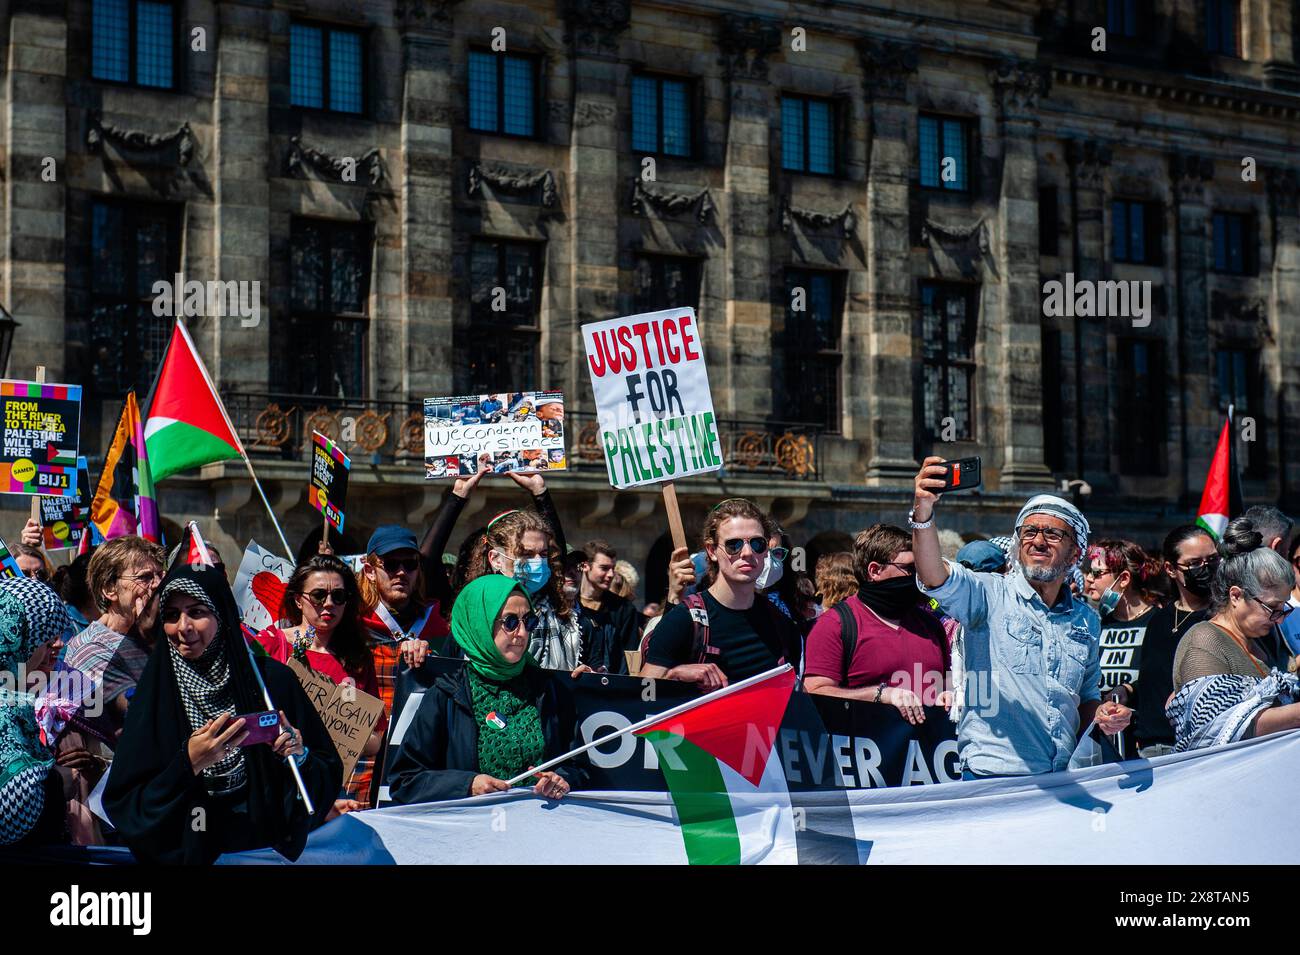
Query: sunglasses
(733,546)
(318,597)
(392,564)
(1198,563)
(511,621)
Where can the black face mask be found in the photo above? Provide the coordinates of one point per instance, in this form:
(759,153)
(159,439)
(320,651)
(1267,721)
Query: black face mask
(1197,579)
(890,598)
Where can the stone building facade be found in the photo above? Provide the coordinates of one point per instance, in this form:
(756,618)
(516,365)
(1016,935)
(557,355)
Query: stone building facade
(909,174)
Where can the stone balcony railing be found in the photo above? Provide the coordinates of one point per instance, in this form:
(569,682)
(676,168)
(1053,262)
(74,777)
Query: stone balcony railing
(279,426)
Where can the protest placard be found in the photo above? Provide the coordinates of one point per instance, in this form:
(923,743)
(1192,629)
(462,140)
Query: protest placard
(349,714)
(64,519)
(8,566)
(329,479)
(259,586)
(521,431)
(653,404)
(41,438)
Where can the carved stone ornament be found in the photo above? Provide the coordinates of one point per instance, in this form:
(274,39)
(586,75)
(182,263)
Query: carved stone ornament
(182,136)
(507,179)
(887,67)
(846,219)
(589,113)
(1018,84)
(593,26)
(301,156)
(746,43)
(416,14)
(671,203)
(976,234)
(1189,173)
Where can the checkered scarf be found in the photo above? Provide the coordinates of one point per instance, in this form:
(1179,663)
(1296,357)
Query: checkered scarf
(1221,708)
(45,616)
(204,685)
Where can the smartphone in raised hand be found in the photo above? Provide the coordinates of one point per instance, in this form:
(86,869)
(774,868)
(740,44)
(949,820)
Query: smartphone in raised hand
(962,474)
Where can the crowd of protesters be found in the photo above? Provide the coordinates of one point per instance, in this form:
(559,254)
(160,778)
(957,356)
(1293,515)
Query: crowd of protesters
(1160,651)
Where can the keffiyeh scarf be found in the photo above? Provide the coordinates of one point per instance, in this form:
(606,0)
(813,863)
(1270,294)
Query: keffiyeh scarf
(1221,708)
(554,643)
(205,690)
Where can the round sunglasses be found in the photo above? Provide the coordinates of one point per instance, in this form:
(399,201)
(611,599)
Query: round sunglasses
(511,621)
(338,595)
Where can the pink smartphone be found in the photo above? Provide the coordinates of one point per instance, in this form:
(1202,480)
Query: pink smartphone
(261,727)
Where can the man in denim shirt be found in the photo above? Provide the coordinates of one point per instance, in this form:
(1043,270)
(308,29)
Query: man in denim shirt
(1031,648)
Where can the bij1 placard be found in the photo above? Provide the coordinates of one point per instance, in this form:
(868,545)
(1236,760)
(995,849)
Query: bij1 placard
(653,404)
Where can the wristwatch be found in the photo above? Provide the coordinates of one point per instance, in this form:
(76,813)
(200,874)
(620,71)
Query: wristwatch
(913,525)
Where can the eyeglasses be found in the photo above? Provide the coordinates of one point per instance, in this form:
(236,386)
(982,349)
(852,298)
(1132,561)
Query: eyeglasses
(152,577)
(1198,563)
(318,596)
(779,553)
(735,545)
(392,564)
(39,574)
(511,622)
(1053,535)
(1273,615)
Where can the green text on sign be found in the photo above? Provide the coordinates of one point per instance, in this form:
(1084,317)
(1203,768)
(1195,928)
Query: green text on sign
(663,449)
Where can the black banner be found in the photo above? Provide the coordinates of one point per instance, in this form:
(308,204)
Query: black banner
(824,742)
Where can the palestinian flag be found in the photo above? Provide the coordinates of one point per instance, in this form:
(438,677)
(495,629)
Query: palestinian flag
(725,776)
(1221,499)
(124,501)
(193,549)
(187,425)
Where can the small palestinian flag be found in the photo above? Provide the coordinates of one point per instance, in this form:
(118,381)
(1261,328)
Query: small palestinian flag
(193,549)
(1221,499)
(721,752)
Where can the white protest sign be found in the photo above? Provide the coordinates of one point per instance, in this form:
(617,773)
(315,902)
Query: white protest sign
(259,586)
(653,403)
(520,431)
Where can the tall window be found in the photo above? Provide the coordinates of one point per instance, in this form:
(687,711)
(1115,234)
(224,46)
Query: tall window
(132,246)
(1049,220)
(502,93)
(326,68)
(1136,232)
(808,135)
(1239,385)
(661,116)
(948,358)
(1234,243)
(810,385)
(666,281)
(330,264)
(944,145)
(1125,18)
(133,41)
(1140,411)
(1221,31)
(505,310)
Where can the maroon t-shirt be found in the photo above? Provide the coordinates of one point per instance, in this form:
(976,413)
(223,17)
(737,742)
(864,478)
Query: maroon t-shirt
(883,654)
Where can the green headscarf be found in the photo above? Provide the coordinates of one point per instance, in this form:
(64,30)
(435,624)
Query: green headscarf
(473,617)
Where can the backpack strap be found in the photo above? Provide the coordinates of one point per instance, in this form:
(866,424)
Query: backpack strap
(701,648)
(849,637)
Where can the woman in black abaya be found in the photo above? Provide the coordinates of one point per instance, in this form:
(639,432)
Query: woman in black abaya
(182,789)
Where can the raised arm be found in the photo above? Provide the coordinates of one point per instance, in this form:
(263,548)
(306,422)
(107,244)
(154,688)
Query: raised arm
(535,485)
(930,568)
(439,533)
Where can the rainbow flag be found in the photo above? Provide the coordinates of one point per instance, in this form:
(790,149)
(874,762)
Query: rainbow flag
(125,502)
(8,566)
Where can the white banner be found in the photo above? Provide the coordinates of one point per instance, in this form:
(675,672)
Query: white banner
(259,586)
(1215,806)
(652,397)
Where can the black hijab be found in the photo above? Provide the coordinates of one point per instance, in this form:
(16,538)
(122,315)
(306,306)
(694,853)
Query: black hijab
(152,791)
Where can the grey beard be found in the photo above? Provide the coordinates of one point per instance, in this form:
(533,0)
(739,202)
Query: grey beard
(1042,575)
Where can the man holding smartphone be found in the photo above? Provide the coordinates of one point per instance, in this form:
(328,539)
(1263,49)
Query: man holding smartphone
(1026,638)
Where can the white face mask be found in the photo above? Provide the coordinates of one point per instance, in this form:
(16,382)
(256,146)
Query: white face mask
(771,573)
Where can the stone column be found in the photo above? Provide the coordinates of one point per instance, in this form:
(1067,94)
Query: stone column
(1284,212)
(1083,341)
(1188,175)
(425,189)
(239,358)
(1014,338)
(886,349)
(35,145)
(593,30)
(740,354)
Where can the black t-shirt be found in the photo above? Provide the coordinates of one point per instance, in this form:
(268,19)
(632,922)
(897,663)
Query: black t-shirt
(607,632)
(750,641)
(1156,675)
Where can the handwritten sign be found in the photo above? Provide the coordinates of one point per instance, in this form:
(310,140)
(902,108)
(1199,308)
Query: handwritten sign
(260,585)
(350,715)
(64,519)
(653,403)
(39,446)
(329,479)
(521,431)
